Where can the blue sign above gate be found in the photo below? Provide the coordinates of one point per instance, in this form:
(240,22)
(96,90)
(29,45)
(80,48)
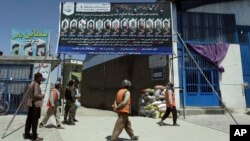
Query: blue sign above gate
(115,28)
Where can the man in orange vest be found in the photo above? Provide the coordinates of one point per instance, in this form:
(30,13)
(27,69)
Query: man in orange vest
(52,105)
(171,105)
(122,108)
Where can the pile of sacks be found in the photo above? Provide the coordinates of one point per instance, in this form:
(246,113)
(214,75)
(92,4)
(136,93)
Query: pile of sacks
(152,102)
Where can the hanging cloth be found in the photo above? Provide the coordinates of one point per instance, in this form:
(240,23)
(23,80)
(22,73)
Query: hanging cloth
(214,53)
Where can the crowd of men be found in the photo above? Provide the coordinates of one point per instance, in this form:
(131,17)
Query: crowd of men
(34,103)
(121,105)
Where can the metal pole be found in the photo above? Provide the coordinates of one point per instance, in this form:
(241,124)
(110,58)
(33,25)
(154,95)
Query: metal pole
(197,65)
(172,68)
(104,79)
(180,88)
(182,73)
(64,84)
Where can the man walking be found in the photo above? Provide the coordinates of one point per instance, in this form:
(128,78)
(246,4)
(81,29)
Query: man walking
(171,105)
(70,103)
(122,107)
(77,97)
(34,104)
(53,104)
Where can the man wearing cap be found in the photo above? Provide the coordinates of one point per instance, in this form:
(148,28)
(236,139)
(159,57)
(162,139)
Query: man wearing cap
(170,103)
(34,104)
(122,108)
(52,105)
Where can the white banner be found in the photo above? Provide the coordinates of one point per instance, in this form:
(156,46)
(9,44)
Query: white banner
(93,7)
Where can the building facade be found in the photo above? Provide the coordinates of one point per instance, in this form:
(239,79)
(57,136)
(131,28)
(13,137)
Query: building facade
(16,73)
(199,23)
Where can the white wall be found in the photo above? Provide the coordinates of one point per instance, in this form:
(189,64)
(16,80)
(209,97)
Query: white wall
(241,9)
(231,81)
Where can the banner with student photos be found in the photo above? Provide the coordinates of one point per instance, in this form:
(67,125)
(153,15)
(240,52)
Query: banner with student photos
(115,28)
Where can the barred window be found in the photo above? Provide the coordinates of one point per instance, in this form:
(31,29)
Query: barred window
(207,27)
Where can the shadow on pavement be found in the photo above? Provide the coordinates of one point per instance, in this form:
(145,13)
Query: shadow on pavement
(5,135)
(119,139)
(50,126)
(164,124)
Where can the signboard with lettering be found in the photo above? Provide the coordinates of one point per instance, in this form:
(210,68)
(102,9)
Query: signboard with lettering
(158,73)
(31,42)
(115,28)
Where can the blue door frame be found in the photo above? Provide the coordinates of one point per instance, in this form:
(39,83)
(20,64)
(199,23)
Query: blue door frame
(197,91)
(244,41)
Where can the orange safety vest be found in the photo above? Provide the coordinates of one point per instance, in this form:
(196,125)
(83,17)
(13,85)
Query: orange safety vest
(168,104)
(119,98)
(54,98)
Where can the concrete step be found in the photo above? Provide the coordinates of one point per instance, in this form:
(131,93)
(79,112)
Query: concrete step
(202,110)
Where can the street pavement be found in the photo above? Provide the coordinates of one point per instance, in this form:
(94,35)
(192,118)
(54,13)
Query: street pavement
(97,125)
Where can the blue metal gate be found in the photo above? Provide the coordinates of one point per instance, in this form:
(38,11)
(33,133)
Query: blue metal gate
(197,91)
(244,40)
(15,79)
(201,28)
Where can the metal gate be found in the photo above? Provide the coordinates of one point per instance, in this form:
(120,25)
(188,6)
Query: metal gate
(202,28)
(244,41)
(197,91)
(15,79)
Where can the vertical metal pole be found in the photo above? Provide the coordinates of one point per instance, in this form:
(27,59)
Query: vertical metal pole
(104,79)
(64,84)
(182,73)
(172,68)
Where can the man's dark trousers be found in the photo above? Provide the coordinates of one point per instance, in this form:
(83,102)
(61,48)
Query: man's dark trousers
(34,114)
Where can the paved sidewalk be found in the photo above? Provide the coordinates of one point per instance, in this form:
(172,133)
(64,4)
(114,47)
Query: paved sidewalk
(96,125)
(219,122)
